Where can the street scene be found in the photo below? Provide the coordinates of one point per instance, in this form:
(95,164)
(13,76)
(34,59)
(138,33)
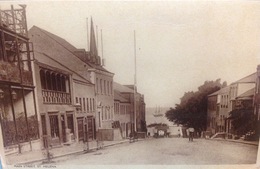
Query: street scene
(129,83)
(169,151)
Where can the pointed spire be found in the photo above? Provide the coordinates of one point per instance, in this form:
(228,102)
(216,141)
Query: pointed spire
(93,45)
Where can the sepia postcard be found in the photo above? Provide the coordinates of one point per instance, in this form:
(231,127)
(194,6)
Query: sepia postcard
(123,84)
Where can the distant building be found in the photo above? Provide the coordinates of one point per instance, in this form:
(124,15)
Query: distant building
(217,110)
(223,101)
(137,118)
(122,109)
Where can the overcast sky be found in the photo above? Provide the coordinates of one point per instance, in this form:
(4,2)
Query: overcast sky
(179,44)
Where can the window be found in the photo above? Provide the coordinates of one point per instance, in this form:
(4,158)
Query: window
(109,116)
(87,106)
(93,102)
(80,104)
(101,91)
(90,104)
(105,87)
(77,100)
(108,92)
(111,88)
(102,113)
(96,85)
(105,113)
(84,104)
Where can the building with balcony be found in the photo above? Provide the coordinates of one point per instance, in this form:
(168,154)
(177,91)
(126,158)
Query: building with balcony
(66,96)
(18,112)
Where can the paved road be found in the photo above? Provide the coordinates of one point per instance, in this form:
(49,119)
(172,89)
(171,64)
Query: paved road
(170,151)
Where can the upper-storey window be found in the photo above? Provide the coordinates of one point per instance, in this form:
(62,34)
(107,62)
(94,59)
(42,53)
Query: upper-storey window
(55,87)
(101,91)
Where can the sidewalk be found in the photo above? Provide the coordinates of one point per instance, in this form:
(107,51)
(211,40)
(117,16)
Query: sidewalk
(65,150)
(256,143)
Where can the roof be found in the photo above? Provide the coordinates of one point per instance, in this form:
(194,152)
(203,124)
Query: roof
(122,88)
(220,91)
(118,97)
(45,59)
(50,41)
(246,95)
(248,79)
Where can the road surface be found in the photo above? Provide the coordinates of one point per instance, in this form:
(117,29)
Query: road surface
(169,151)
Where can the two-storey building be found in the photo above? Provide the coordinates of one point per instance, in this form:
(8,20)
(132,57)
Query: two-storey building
(66,97)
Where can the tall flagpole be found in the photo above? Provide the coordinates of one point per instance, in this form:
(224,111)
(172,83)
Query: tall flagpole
(87,37)
(135,123)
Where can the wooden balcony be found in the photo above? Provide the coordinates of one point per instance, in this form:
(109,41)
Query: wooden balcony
(56,97)
(10,72)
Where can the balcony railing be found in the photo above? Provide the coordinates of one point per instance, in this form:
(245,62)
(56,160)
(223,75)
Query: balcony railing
(11,73)
(56,97)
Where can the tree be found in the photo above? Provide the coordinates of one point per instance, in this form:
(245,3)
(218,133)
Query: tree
(243,119)
(192,110)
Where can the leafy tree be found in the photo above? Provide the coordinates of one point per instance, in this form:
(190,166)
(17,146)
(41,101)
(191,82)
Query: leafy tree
(243,119)
(192,110)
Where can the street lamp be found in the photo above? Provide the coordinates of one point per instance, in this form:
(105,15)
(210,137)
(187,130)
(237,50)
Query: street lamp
(2,94)
(78,106)
(14,95)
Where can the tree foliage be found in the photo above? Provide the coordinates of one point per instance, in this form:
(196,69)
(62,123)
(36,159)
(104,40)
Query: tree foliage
(192,110)
(243,119)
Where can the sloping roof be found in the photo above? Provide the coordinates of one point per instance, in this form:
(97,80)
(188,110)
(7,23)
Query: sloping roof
(220,91)
(247,95)
(48,50)
(46,38)
(248,79)
(118,97)
(122,88)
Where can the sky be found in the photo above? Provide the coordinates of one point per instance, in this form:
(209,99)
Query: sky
(179,45)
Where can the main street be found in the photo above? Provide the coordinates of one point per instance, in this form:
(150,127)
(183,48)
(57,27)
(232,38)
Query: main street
(170,151)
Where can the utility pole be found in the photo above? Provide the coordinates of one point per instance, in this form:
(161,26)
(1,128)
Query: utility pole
(135,120)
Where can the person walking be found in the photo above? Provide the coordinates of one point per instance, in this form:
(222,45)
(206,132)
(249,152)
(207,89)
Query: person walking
(191,133)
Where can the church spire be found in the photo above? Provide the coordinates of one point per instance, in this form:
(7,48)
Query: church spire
(93,45)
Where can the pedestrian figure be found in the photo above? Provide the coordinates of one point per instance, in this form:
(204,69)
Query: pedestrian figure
(191,133)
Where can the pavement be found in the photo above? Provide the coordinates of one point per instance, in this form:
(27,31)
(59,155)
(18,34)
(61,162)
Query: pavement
(256,143)
(37,156)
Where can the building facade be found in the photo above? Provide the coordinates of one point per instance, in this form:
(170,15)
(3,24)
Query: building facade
(122,108)
(19,120)
(227,99)
(66,96)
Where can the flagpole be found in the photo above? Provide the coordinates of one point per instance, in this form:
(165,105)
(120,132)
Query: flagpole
(135,123)
(87,36)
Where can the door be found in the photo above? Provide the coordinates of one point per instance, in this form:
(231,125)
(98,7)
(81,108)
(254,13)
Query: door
(90,128)
(80,129)
(63,127)
(54,123)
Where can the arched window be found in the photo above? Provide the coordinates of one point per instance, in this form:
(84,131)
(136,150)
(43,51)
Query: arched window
(58,77)
(63,84)
(48,80)
(43,79)
(54,81)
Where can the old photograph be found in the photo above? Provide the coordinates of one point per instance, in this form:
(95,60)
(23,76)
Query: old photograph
(86,84)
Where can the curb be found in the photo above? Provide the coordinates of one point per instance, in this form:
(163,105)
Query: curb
(74,153)
(236,141)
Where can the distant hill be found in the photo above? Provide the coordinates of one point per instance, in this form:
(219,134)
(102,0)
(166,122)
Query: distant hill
(149,116)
